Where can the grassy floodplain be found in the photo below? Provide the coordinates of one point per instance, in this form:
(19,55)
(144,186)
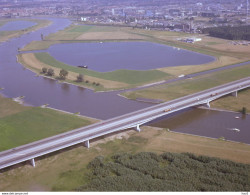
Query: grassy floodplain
(6,35)
(224,52)
(24,124)
(178,89)
(107,80)
(66,171)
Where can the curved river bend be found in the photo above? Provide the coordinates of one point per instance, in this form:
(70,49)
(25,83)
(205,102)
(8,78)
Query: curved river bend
(17,81)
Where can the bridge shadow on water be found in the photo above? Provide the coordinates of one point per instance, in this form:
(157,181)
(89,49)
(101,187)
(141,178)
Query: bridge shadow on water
(182,118)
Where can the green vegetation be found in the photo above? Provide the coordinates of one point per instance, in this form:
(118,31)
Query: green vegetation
(244,110)
(67,170)
(228,32)
(125,76)
(63,74)
(21,125)
(121,79)
(166,172)
(182,88)
(232,103)
(79,78)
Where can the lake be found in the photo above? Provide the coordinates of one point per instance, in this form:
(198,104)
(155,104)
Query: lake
(110,56)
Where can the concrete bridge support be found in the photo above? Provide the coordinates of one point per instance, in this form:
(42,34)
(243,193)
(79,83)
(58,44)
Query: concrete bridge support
(235,94)
(207,105)
(138,128)
(32,161)
(86,143)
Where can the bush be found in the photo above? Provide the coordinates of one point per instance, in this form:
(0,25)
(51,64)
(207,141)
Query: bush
(244,110)
(63,74)
(44,70)
(79,78)
(50,72)
(148,171)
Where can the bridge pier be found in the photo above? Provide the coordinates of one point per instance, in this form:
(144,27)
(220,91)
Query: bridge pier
(86,143)
(235,94)
(32,161)
(207,105)
(138,128)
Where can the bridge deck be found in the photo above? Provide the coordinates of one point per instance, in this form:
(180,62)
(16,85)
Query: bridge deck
(51,144)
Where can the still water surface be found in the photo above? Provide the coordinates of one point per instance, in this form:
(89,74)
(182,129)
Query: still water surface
(110,56)
(17,25)
(208,123)
(18,81)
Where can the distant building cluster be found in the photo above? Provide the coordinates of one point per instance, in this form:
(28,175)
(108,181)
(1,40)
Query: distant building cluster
(174,15)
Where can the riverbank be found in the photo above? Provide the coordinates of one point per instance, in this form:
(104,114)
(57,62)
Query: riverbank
(99,81)
(124,79)
(7,35)
(178,89)
(64,171)
(21,125)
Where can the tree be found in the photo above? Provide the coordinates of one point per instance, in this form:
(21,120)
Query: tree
(50,72)
(79,78)
(44,70)
(244,110)
(63,74)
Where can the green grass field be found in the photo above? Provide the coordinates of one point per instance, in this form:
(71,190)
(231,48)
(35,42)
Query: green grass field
(178,89)
(126,76)
(21,125)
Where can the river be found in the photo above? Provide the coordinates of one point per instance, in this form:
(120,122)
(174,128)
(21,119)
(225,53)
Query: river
(208,123)
(18,81)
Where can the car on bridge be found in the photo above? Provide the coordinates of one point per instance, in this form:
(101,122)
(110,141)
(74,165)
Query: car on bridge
(167,110)
(214,94)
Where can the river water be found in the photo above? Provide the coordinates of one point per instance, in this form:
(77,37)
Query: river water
(208,123)
(18,81)
(17,25)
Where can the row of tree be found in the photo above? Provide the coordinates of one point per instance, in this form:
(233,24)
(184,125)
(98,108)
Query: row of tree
(166,172)
(228,32)
(63,75)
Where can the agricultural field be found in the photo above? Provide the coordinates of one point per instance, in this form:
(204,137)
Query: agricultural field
(24,124)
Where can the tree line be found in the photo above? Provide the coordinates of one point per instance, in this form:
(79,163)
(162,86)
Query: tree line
(228,32)
(63,75)
(148,171)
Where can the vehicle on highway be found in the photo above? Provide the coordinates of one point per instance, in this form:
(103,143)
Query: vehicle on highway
(213,94)
(167,110)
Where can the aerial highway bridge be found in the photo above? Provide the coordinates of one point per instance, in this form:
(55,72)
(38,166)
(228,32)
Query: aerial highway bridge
(39,148)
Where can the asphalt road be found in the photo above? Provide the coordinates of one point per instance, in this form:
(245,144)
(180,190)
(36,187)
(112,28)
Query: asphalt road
(51,144)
